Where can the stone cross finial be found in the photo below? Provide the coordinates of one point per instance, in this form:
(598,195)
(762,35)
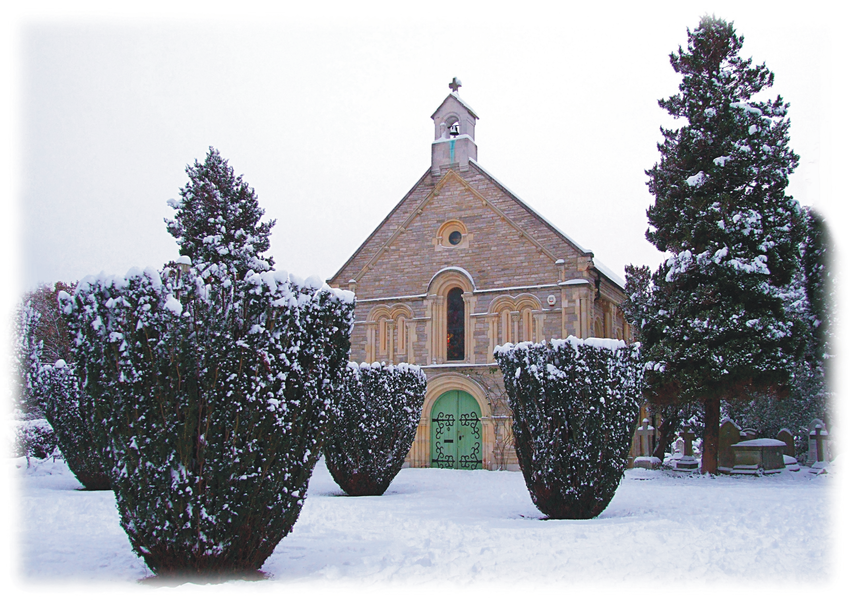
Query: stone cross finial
(455,85)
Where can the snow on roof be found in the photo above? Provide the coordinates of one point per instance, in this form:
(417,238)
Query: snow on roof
(464,103)
(609,273)
(606,271)
(460,100)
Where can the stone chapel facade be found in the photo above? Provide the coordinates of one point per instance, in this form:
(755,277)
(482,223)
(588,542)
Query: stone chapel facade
(459,266)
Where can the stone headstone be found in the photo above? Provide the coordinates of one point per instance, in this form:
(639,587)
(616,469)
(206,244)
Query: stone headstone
(785,436)
(687,462)
(645,435)
(817,443)
(679,447)
(645,460)
(729,434)
(747,434)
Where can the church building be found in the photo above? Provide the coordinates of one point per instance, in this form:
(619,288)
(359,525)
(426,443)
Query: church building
(459,266)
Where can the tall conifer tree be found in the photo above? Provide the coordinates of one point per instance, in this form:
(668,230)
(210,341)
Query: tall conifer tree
(218,219)
(207,387)
(715,324)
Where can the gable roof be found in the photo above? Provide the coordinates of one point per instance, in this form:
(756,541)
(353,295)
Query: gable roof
(379,227)
(603,269)
(453,175)
(458,99)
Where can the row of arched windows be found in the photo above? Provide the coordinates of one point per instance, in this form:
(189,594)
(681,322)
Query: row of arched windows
(515,322)
(389,333)
(511,319)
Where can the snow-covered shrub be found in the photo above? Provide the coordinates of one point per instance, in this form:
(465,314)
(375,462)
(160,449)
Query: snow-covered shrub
(209,392)
(34,438)
(56,389)
(373,423)
(575,405)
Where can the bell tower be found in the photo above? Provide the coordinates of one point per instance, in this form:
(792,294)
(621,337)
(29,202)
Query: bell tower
(454,133)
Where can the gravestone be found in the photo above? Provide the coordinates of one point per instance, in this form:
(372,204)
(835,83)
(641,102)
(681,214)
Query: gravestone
(687,462)
(791,464)
(785,436)
(760,456)
(729,434)
(817,444)
(645,460)
(747,434)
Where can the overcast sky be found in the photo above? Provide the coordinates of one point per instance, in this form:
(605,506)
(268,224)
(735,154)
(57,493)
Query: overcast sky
(326,112)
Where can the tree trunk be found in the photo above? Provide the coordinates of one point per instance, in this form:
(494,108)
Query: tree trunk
(670,420)
(710,446)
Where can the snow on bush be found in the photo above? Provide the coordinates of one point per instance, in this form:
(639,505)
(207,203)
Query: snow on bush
(373,423)
(575,405)
(57,390)
(34,437)
(208,393)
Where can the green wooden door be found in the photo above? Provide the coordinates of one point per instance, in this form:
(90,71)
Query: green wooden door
(455,432)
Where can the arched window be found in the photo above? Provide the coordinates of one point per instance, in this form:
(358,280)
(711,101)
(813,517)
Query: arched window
(505,326)
(598,329)
(450,301)
(401,327)
(382,335)
(456,325)
(527,325)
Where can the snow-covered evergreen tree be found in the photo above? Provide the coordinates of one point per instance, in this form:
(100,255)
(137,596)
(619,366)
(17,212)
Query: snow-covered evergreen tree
(716,325)
(575,405)
(211,399)
(57,390)
(373,423)
(208,385)
(218,219)
(809,300)
(50,386)
(819,286)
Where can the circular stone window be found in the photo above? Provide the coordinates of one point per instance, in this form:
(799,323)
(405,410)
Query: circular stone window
(452,234)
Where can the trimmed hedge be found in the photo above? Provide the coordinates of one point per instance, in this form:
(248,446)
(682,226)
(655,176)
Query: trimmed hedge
(373,424)
(208,397)
(56,388)
(575,405)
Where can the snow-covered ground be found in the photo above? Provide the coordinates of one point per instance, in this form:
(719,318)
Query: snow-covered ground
(467,528)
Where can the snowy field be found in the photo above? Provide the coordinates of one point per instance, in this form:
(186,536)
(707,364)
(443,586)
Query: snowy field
(476,530)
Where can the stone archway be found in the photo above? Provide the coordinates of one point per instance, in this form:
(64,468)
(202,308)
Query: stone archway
(420,453)
(436,308)
(455,433)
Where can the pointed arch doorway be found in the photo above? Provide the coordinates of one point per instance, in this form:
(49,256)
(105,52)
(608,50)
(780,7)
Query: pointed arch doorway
(456,440)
